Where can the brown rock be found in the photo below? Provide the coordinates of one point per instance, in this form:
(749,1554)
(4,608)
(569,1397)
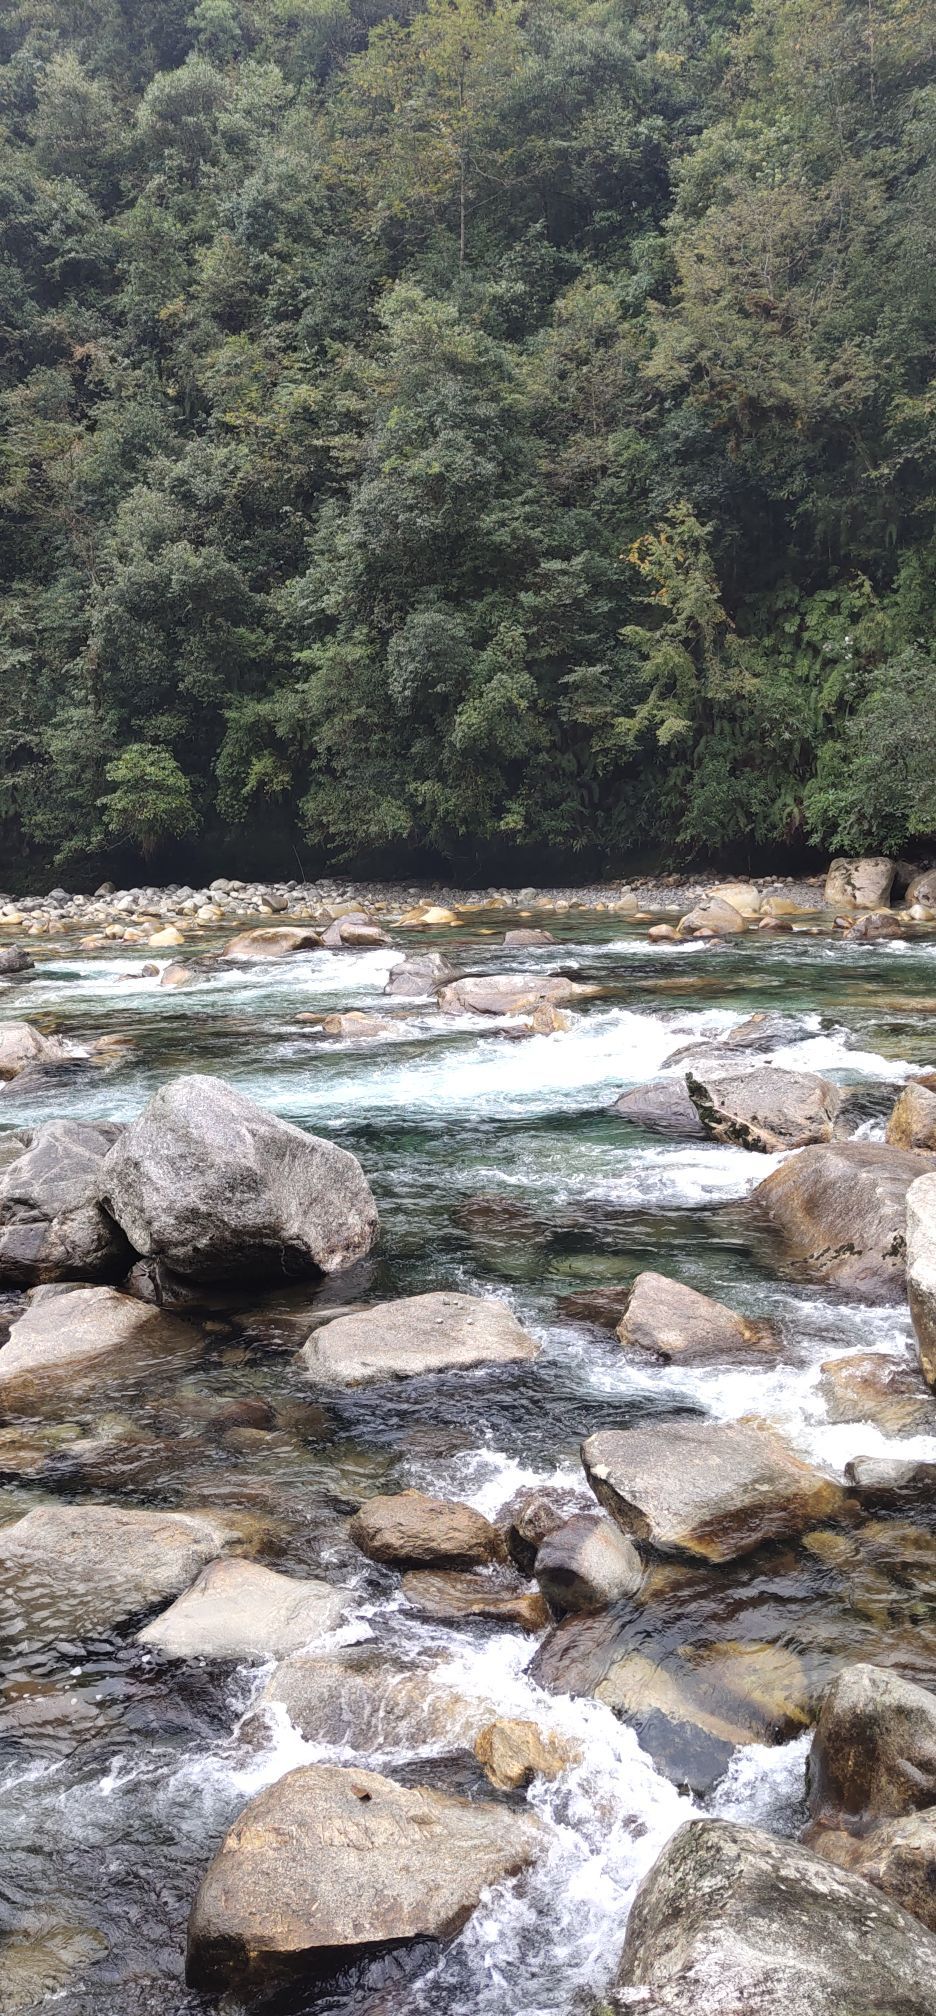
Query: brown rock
(873,1753)
(450,1598)
(508,993)
(411,1529)
(531,1514)
(586,1564)
(675,1324)
(897,1856)
(842,1211)
(417,1334)
(513,1753)
(274,941)
(866,1386)
(912,1123)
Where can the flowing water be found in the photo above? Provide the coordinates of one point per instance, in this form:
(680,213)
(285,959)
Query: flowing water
(118,1775)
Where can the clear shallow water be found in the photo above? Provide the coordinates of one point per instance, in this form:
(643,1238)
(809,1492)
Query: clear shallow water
(114,1793)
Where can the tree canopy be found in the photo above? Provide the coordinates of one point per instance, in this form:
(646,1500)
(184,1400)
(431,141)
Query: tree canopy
(485,432)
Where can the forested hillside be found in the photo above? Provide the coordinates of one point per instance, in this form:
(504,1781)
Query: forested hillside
(474,433)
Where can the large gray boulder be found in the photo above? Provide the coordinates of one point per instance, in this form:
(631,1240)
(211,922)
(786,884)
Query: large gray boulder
(842,1212)
(864,884)
(586,1564)
(327,1865)
(276,941)
(873,1753)
(731,1922)
(707,1489)
(662,1106)
(509,993)
(354,932)
(672,1323)
(72,1570)
(420,974)
(52,1227)
(240,1610)
(922,889)
(208,1182)
(766,1109)
(23,1048)
(418,1334)
(921,1269)
(66,1333)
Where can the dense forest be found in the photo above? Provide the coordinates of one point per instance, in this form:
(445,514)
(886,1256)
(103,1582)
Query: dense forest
(479,431)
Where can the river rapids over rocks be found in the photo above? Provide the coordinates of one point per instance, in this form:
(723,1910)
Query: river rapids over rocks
(499,1171)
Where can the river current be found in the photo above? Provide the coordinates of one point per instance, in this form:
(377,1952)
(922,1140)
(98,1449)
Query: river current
(118,1775)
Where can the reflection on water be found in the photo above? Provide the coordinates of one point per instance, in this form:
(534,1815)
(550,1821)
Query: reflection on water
(117,1775)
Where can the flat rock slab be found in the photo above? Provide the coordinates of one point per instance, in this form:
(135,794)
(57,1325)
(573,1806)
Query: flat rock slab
(413,1529)
(208,1182)
(662,1106)
(76,1569)
(418,1334)
(842,1212)
(873,1753)
(731,1922)
(675,1324)
(360,1699)
(766,1109)
(328,1865)
(65,1332)
(240,1610)
(706,1489)
(509,993)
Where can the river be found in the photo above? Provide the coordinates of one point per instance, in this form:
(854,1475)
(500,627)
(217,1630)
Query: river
(116,1785)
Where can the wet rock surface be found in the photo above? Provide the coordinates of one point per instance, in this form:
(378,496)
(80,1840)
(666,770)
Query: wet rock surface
(674,1323)
(420,1334)
(239,1610)
(765,1109)
(411,1529)
(842,1212)
(873,1754)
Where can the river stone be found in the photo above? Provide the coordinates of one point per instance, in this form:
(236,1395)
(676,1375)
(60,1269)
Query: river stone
(662,1106)
(603,1306)
(873,1752)
(512,1753)
(585,1564)
(68,1331)
(922,889)
(765,1109)
(208,1182)
(912,1123)
(238,1610)
(275,941)
(897,1856)
(51,1226)
(14,959)
(452,1597)
(359,1700)
(766,1029)
(354,932)
(420,974)
(842,1211)
(889,1482)
(745,897)
(524,936)
(24,1048)
(329,1865)
(731,1922)
(867,1386)
(508,993)
(675,1324)
(859,885)
(413,1530)
(712,915)
(417,1334)
(921,1269)
(710,1490)
(356,1027)
(737,1691)
(77,1569)
(876,924)
(535,1511)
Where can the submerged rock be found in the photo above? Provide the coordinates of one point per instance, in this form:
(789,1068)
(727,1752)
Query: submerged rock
(842,1211)
(65,1332)
(418,1334)
(585,1564)
(675,1324)
(873,1753)
(215,1187)
(453,1597)
(921,1269)
(864,884)
(662,1106)
(912,1123)
(509,993)
(52,1227)
(709,1490)
(328,1865)
(731,1922)
(765,1109)
(76,1569)
(359,1699)
(238,1610)
(897,1856)
(412,1529)
(512,1753)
